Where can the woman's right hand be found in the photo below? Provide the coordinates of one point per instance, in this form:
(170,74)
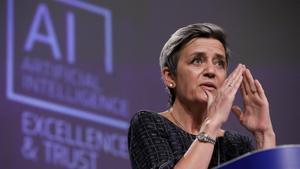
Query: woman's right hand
(219,104)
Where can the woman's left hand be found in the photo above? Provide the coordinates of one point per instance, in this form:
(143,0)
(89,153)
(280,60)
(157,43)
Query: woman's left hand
(255,116)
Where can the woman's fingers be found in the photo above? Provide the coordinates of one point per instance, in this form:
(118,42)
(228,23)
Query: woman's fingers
(221,102)
(233,80)
(237,111)
(260,89)
(210,97)
(237,83)
(246,86)
(248,82)
(243,90)
(238,71)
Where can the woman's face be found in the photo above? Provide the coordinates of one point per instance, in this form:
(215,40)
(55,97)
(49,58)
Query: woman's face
(201,67)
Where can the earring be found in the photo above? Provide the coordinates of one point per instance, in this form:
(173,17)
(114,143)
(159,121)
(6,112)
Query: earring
(171,84)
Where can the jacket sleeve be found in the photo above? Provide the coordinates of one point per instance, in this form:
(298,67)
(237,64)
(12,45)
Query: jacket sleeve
(148,145)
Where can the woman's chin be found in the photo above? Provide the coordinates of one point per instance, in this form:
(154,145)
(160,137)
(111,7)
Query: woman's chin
(202,98)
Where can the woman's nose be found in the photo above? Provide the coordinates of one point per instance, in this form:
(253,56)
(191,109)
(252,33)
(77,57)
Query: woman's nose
(209,71)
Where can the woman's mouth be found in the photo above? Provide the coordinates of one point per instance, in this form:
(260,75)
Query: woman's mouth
(208,86)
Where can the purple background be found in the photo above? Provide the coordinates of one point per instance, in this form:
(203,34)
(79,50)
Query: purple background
(263,35)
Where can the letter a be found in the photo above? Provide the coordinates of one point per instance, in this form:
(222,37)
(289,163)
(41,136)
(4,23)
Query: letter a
(49,38)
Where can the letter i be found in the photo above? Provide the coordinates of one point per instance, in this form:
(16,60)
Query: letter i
(70,32)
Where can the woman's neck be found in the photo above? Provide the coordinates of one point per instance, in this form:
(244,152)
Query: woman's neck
(190,118)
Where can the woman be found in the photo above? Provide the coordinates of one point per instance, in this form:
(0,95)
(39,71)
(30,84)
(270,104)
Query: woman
(189,134)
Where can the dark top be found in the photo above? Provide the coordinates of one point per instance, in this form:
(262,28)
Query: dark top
(155,142)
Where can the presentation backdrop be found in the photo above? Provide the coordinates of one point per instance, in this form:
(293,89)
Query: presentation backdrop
(73,72)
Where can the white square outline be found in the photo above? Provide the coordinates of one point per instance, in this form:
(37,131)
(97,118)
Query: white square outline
(58,108)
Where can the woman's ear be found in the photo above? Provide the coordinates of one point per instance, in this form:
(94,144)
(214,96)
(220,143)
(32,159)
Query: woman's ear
(168,77)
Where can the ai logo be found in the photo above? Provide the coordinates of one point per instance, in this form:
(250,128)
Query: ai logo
(43,18)
(52,65)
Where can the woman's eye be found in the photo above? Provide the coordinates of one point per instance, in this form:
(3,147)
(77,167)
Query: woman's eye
(196,61)
(221,63)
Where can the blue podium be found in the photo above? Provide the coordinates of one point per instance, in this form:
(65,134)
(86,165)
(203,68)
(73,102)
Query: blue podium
(281,157)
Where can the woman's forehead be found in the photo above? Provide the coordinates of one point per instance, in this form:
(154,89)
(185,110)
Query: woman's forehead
(202,45)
